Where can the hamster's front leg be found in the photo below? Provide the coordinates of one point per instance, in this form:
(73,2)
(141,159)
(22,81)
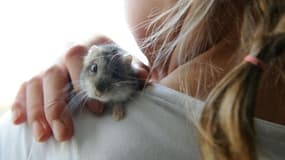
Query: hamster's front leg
(118,112)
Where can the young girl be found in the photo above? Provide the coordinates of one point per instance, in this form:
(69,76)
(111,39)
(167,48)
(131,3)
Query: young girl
(217,62)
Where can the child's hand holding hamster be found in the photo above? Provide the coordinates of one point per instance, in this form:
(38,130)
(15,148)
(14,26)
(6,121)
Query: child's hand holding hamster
(43,104)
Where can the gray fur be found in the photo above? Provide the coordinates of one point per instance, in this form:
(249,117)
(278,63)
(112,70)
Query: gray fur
(115,79)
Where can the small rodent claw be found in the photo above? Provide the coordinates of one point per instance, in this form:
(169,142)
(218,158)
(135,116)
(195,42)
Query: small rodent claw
(118,113)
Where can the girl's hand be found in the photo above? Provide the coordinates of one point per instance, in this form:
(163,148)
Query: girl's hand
(43,104)
(41,100)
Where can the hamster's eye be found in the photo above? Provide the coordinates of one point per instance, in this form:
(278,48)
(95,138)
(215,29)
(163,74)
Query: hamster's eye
(93,68)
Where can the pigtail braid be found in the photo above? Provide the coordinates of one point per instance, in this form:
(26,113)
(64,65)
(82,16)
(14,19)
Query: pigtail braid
(227,121)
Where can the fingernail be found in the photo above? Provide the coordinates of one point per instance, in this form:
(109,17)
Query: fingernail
(38,131)
(58,130)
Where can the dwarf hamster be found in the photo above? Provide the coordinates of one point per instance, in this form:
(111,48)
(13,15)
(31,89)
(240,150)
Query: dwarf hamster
(108,76)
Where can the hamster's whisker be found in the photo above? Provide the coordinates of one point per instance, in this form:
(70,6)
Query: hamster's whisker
(84,100)
(109,66)
(77,100)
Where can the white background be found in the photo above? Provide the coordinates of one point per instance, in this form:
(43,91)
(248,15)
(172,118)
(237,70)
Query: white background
(35,33)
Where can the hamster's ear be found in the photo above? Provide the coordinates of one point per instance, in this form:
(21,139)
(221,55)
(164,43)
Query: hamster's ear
(127,59)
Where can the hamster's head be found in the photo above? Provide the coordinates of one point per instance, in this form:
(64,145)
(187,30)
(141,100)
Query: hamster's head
(107,74)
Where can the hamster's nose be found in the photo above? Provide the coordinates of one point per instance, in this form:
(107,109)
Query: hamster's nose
(101,87)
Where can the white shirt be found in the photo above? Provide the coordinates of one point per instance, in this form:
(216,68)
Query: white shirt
(159,125)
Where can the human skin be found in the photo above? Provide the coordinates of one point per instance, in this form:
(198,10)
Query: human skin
(269,102)
(47,120)
(139,10)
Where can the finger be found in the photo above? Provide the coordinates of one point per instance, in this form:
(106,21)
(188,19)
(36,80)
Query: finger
(19,106)
(59,118)
(35,109)
(73,61)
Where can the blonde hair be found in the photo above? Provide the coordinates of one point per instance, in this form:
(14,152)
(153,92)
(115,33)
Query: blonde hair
(176,29)
(226,127)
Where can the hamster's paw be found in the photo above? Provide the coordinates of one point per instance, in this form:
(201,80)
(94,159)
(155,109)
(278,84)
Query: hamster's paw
(118,112)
